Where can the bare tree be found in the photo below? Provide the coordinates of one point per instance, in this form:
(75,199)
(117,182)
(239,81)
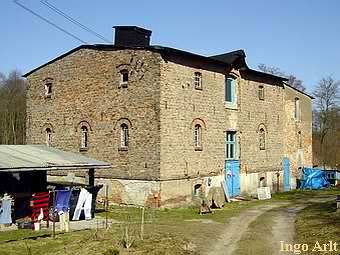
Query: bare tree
(326,119)
(12,109)
(292,79)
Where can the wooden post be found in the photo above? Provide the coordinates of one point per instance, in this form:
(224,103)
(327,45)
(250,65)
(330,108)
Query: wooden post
(106,205)
(53,213)
(90,178)
(142,225)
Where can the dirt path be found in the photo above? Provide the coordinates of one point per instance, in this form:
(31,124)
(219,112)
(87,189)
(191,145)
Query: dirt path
(261,230)
(236,228)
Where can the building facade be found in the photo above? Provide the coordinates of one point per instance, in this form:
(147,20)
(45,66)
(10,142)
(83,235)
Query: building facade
(170,122)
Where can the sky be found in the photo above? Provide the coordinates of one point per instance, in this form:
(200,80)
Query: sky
(301,37)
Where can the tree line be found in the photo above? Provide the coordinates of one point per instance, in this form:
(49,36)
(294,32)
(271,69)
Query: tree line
(326,116)
(12,108)
(326,113)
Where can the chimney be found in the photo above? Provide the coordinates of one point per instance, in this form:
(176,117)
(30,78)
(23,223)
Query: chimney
(131,36)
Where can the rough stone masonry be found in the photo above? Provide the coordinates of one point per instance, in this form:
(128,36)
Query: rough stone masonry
(161,117)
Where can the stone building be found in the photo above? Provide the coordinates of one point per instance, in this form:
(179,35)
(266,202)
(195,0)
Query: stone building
(171,123)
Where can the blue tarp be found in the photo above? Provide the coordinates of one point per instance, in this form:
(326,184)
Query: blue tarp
(314,178)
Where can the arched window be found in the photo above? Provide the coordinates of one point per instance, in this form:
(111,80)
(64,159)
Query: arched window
(48,137)
(124,136)
(198,137)
(262,139)
(84,138)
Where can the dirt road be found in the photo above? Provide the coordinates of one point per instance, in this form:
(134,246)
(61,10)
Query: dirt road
(259,230)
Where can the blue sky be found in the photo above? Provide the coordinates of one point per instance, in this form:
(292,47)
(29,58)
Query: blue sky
(299,36)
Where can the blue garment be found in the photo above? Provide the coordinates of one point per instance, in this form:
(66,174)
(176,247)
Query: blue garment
(5,211)
(62,201)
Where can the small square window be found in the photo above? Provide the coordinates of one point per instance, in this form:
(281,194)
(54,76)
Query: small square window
(198,80)
(261,92)
(124,78)
(48,89)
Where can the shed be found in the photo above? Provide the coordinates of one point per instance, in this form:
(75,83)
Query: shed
(23,168)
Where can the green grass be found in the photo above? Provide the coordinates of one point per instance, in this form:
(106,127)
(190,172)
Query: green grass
(167,231)
(319,222)
(295,195)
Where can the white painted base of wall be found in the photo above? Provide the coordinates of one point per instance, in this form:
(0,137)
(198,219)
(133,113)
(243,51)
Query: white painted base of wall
(250,182)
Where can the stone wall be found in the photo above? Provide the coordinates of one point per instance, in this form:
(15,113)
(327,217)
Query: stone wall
(86,91)
(293,147)
(161,107)
(255,114)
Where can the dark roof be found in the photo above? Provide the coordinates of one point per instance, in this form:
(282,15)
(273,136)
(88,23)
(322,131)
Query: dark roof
(302,92)
(139,29)
(230,57)
(111,47)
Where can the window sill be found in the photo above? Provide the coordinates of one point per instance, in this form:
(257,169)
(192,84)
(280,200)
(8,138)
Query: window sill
(83,149)
(232,106)
(198,88)
(123,85)
(123,149)
(48,96)
(198,149)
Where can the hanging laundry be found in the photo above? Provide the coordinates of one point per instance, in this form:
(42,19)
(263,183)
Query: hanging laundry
(62,201)
(84,203)
(63,208)
(40,201)
(5,211)
(94,191)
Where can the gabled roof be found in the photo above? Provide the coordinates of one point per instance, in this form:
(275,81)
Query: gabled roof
(18,158)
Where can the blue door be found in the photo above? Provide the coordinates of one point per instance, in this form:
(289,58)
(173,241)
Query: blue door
(286,174)
(232,176)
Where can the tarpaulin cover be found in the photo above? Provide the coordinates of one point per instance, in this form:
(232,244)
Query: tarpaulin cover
(314,178)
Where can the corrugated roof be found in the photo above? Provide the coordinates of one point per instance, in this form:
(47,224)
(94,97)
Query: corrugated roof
(41,157)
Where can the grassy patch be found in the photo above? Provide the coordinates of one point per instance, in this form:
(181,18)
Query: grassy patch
(178,215)
(295,195)
(319,222)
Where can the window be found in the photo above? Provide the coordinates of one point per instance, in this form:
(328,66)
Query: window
(198,137)
(230,145)
(261,92)
(124,136)
(262,139)
(48,88)
(48,137)
(230,89)
(198,80)
(297,109)
(84,138)
(124,78)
